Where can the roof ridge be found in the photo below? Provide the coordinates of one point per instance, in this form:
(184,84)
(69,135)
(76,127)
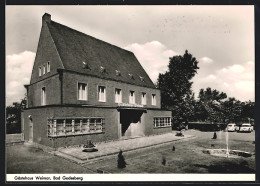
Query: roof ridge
(90,36)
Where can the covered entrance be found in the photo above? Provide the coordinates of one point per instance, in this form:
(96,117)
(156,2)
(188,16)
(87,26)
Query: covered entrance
(131,125)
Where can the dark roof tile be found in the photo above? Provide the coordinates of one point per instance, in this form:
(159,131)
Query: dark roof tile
(75,47)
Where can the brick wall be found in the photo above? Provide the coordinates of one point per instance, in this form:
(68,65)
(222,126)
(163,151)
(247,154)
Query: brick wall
(111,131)
(46,51)
(40,116)
(148,120)
(52,86)
(70,89)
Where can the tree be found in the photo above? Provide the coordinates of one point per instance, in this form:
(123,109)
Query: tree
(13,116)
(210,102)
(175,85)
(232,110)
(247,110)
(13,113)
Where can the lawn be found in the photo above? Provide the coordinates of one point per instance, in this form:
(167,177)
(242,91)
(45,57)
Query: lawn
(187,158)
(23,159)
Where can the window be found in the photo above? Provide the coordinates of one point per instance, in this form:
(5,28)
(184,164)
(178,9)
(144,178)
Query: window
(118,96)
(82,91)
(40,71)
(132,97)
(143,98)
(60,127)
(162,122)
(102,93)
(43,70)
(75,126)
(48,67)
(153,99)
(43,96)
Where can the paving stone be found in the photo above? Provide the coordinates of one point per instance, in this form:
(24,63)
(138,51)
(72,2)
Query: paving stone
(113,147)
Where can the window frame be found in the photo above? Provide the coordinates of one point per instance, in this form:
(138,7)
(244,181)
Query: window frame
(43,96)
(48,66)
(133,97)
(118,97)
(78,91)
(73,126)
(144,98)
(162,121)
(99,95)
(153,100)
(40,71)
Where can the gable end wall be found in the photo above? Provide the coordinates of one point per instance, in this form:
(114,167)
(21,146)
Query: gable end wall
(46,51)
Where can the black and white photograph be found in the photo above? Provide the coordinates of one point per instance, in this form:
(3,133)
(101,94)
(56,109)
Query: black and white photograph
(130,93)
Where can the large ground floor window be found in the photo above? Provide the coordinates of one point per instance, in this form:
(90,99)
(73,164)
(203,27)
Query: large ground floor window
(162,122)
(75,126)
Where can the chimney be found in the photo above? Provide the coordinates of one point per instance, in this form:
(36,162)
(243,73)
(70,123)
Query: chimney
(46,17)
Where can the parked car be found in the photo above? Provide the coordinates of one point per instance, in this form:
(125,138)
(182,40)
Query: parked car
(246,127)
(231,127)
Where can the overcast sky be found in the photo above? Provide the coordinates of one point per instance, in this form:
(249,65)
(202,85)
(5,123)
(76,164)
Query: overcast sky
(220,37)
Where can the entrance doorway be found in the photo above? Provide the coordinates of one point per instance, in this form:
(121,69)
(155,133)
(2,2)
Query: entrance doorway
(131,124)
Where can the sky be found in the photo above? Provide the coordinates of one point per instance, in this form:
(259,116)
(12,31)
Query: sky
(221,38)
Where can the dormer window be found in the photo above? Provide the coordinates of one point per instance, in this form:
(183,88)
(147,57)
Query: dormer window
(131,76)
(102,69)
(85,65)
(40,71)
(43,70)
(48,66)
(141,78)
(118,73)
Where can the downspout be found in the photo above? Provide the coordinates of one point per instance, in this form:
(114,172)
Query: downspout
(27,101)
(60,71)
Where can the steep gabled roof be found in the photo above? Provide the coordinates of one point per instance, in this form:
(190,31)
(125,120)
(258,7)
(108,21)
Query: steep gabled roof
(103,59)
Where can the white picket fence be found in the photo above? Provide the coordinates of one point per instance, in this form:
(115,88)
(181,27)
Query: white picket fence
(14,138)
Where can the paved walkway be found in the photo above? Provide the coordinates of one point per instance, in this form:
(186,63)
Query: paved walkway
(76,154)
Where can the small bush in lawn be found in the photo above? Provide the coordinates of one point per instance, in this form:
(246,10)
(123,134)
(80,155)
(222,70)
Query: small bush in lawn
(121,160)
(163,161)
(215,135)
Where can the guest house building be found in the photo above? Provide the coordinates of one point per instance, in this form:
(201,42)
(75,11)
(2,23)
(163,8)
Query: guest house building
(82,88)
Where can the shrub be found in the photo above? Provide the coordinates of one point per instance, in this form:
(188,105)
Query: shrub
(121,160)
